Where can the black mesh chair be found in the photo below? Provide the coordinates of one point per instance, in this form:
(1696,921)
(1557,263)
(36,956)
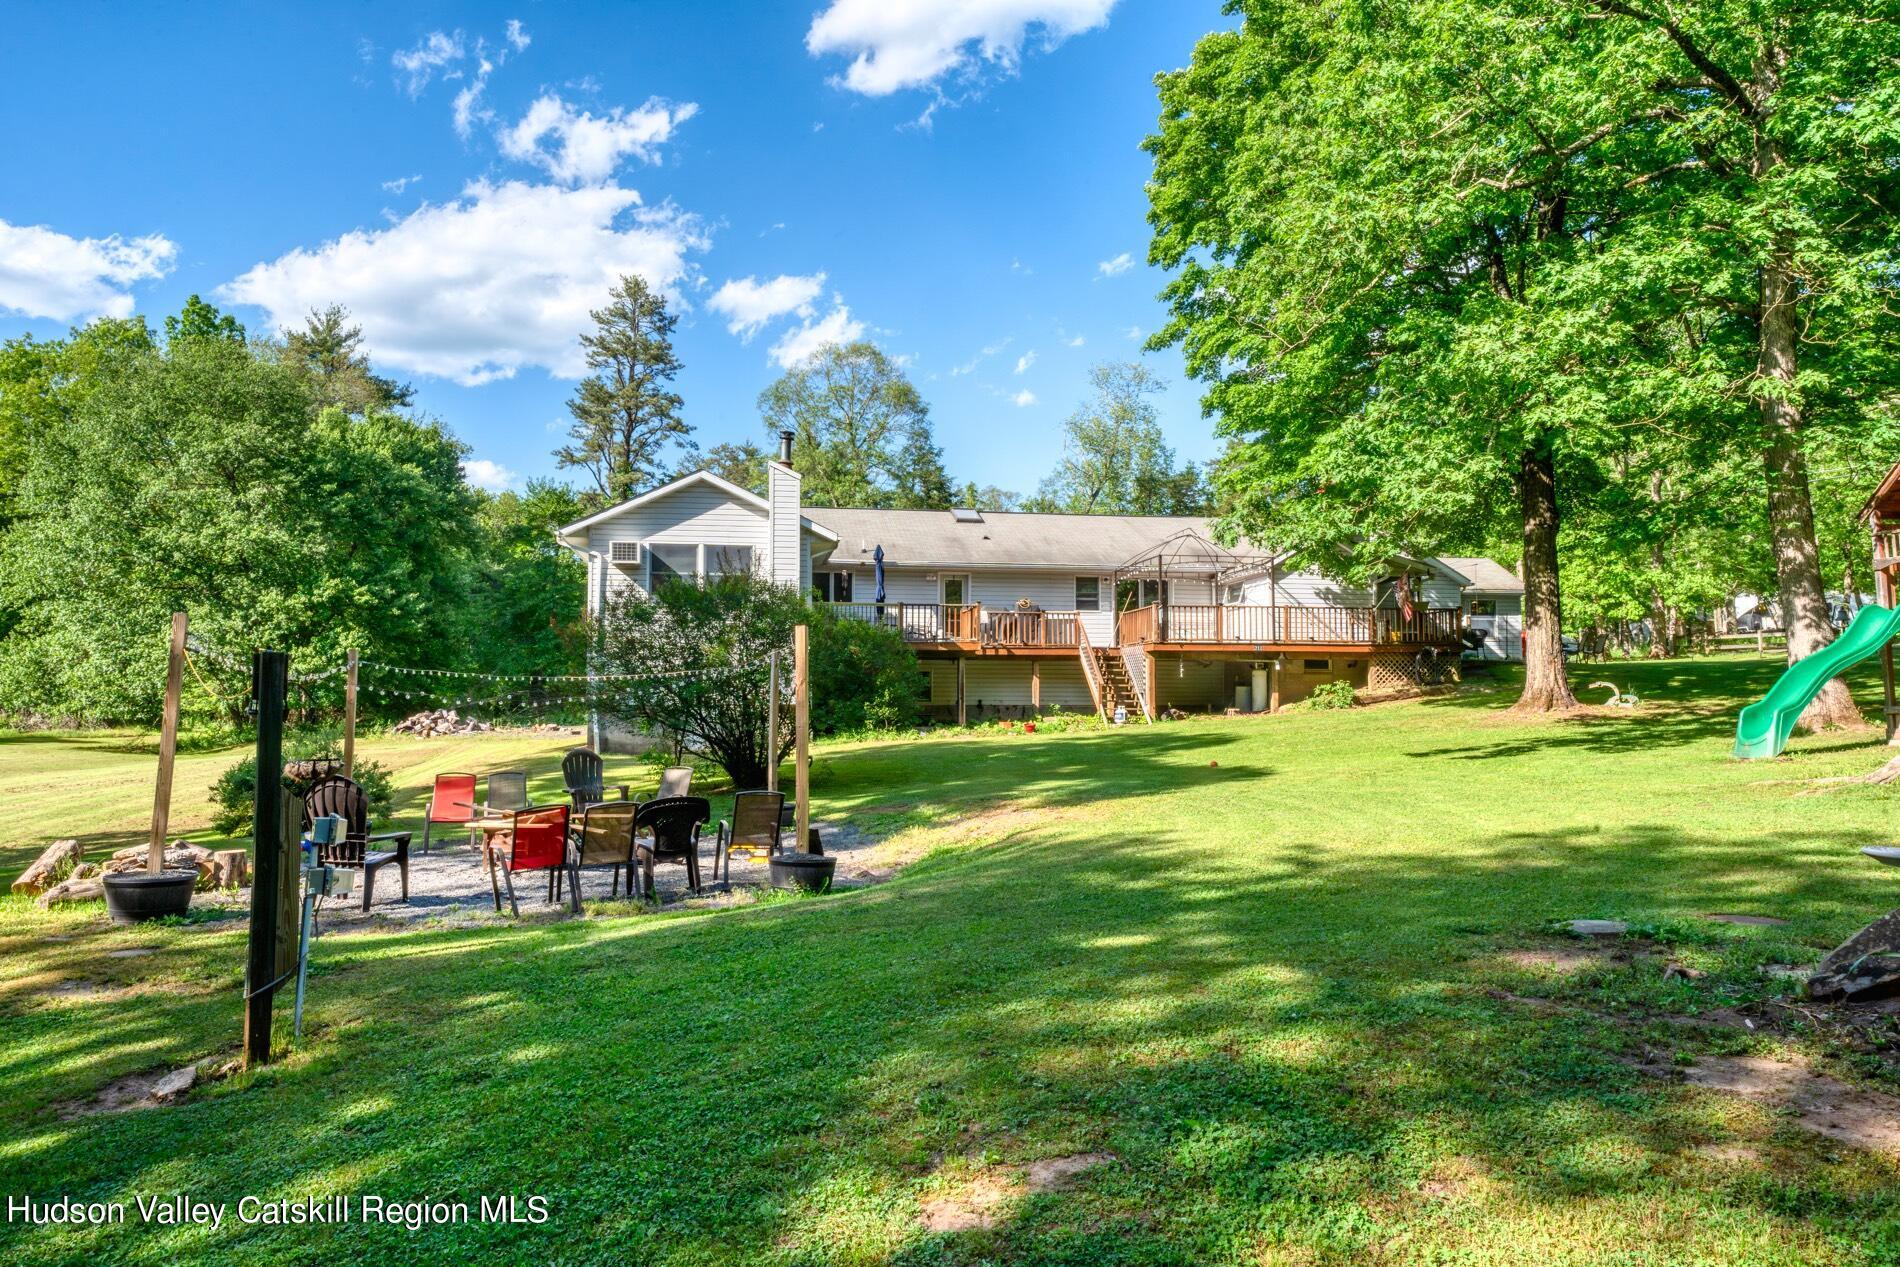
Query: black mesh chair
(672,824)
(341,797)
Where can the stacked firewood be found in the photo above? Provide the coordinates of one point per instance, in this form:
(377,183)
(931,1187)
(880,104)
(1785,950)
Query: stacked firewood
(60,874)
(441,721)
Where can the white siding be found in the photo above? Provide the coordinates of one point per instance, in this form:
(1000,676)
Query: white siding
(994,590)
(1441,591)
(786,563)
(697,515)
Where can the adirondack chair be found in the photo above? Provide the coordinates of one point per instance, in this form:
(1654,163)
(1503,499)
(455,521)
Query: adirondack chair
(755,829)
(604,838)
(673,825)
(336,795)
(536,842)
(451,804)
(584,775)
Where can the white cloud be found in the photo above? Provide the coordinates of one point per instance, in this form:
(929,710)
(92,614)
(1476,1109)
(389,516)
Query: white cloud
(752,304)
(476,289)
(493,476)
(518,35)
(801,344)
(399,184)
(45,273)
(1023,399)
(419,64)
(1135,332)
(1026,360)
(988,350)
(1120,264)
(1075,342)
(468,108)
(585,148)
(898,44)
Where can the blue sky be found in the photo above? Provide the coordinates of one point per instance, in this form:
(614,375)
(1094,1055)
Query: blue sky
(958,180)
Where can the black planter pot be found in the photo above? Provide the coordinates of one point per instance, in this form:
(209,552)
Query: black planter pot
(810,872)
(133,897)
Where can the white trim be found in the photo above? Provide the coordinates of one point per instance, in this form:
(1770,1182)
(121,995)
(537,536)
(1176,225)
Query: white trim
(727,487)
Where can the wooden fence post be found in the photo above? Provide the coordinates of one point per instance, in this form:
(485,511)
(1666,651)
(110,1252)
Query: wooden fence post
(270,673)
(801,720)
(167,747)
(349,718)
(771,724)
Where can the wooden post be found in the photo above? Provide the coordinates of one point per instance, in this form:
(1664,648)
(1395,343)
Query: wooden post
(270,673)
(801,720)
(1273,686)
(771,723)
(167,747)
(962,717)
(349,718)
(1035,685)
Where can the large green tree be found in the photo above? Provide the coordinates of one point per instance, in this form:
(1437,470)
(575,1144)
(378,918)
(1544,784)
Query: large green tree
(1770,169)
(1381,217)
(861,430)
(626,414)
(328,351)
(1115,459)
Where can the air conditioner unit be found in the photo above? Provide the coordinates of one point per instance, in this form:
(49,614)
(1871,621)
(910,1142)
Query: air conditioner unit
(624,553)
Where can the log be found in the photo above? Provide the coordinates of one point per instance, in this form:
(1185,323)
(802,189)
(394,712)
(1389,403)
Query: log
(87,889)
(231,868)
(39,877)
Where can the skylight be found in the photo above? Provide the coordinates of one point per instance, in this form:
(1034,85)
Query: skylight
(966,515)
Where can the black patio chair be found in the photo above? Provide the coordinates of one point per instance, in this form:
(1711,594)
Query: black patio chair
(336,795)
(673,825)
(585,776)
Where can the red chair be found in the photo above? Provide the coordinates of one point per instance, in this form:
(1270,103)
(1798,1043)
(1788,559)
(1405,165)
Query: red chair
(536,842)
(452,804)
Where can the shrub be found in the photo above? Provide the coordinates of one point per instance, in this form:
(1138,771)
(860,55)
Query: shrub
(863,677)
(1331,695)
(236,789)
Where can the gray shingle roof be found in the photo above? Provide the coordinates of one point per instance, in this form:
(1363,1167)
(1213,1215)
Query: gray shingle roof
(932,538)
(1486,576)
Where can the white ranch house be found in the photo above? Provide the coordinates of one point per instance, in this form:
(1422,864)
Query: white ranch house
(1013,613)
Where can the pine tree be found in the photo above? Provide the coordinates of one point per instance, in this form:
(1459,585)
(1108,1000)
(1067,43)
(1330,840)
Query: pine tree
(625,415)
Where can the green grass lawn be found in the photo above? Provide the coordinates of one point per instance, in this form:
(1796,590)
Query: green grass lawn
(1266,964)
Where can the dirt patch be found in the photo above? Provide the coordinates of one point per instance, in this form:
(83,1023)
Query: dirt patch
(1566,960)
(975,1204)
(1816,1102)
(146,1090)
(1729,1154)
(1054,1174)
(1752,921)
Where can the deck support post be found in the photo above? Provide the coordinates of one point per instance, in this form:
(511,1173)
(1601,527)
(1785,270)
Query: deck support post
(1035,685)
(962,717)
(1273,687)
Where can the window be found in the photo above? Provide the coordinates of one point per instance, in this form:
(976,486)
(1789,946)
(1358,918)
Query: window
(1317,666)
(1484,606)
(1233,595)
(832,587)
(727,561)
(1088,593)
(670,561)
(667,563)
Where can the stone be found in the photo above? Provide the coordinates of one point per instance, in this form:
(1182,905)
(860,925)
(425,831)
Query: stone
(175,1083)
(1753,921)
(1597,927)
(1866,965)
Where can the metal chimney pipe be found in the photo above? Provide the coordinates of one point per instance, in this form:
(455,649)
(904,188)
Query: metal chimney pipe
(785,447)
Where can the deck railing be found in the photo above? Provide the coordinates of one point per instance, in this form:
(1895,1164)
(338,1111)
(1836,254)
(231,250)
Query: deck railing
(967,623)
(1306,626)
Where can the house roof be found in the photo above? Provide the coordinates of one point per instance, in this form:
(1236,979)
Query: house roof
(1484,576)
(935,538)
(746,496)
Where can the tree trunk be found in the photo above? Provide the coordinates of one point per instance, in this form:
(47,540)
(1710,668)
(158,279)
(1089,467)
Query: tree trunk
(1790,508)
(1545,688)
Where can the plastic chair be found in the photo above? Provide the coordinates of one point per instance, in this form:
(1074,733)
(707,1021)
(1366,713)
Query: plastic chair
(536,842)
(675,780)
(674,824)
(755,829)
(336,795)
(452,804)
(584,775)
(508,790)
(604,838)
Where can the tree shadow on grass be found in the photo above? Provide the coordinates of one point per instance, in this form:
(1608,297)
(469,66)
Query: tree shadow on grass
(1275,1046)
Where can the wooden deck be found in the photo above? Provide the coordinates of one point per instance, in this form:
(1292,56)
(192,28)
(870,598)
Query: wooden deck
(1224,627)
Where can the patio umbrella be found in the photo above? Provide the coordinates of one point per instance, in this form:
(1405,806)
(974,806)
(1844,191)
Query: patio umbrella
(877,563)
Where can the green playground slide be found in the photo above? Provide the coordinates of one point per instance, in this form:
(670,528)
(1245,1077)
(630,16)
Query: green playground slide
(1764,726)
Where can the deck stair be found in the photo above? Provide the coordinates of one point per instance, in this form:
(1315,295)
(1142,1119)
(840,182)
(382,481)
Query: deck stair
(1117,690)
